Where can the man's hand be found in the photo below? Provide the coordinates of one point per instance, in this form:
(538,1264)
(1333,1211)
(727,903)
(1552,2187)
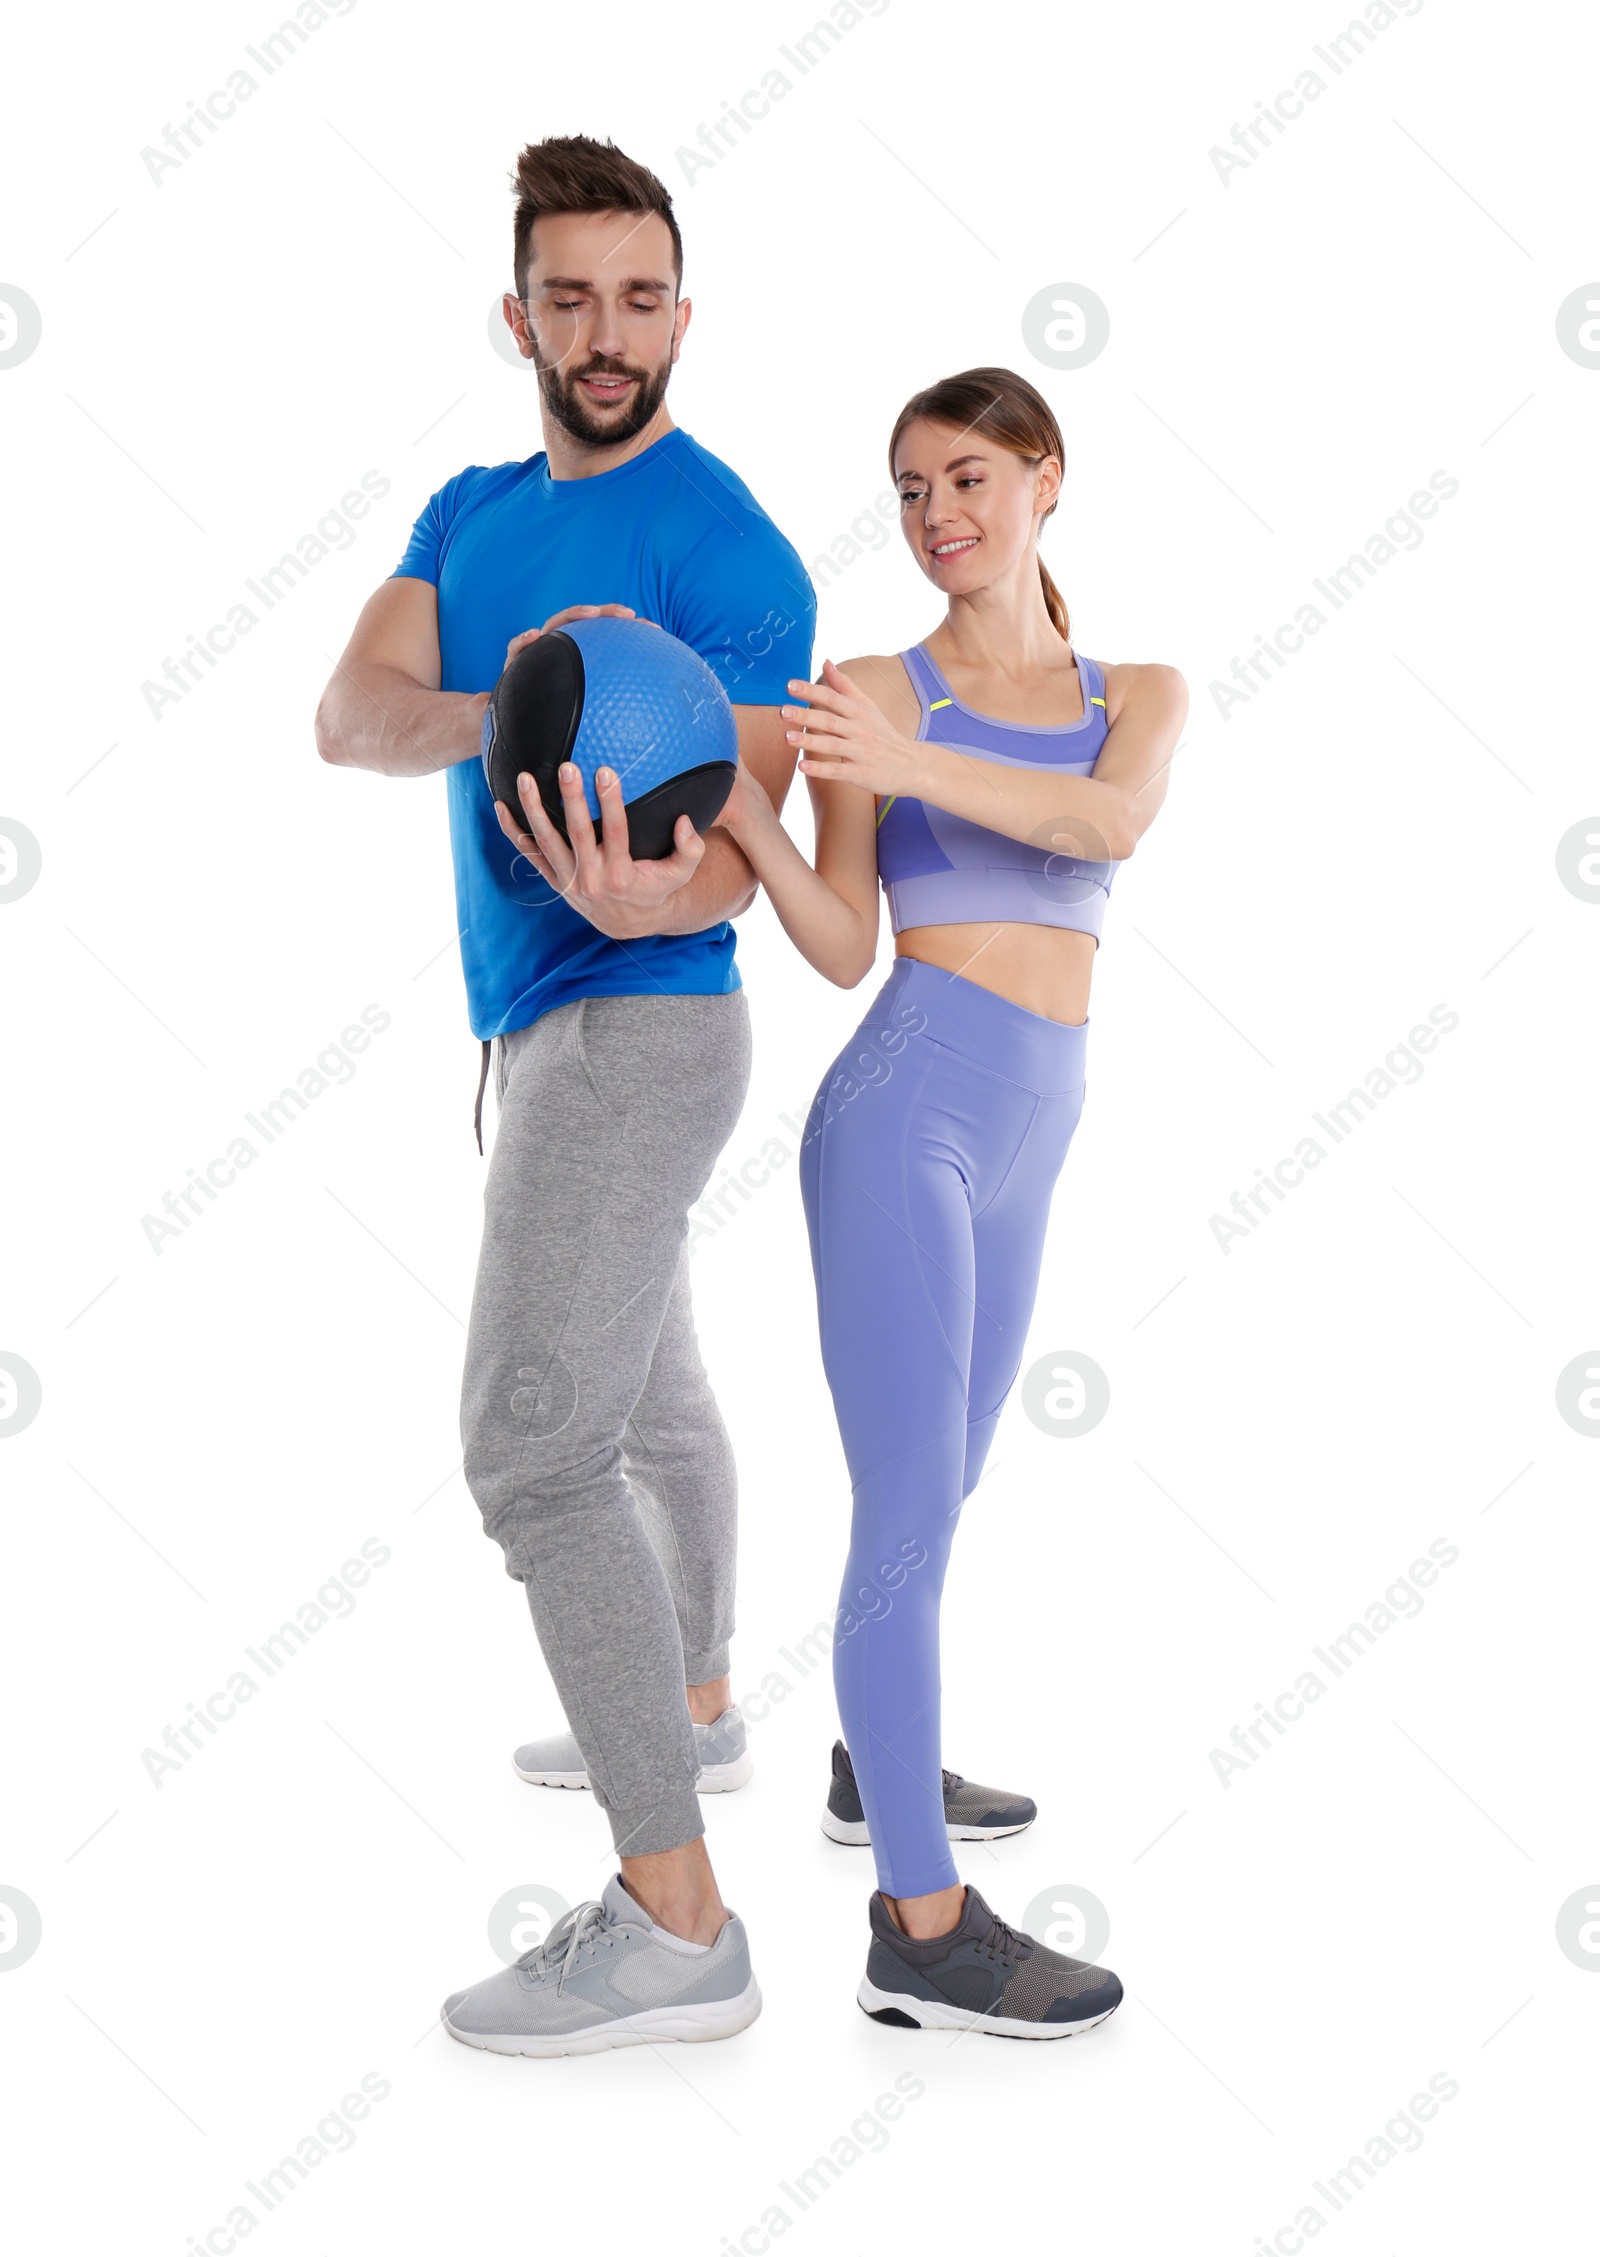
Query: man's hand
(572,611)
(599,877)
(619,896)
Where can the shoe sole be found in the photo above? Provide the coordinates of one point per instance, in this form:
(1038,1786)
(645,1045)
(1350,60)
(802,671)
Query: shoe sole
(852,1832)
(903,2012)
(658,2025)
(714,1779)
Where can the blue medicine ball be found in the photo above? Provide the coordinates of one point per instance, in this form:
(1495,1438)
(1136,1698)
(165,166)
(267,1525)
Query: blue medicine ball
(614,693)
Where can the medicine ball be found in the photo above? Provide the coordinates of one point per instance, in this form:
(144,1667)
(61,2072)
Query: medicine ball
(614,693)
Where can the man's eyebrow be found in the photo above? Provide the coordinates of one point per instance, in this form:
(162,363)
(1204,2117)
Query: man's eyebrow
(582,282)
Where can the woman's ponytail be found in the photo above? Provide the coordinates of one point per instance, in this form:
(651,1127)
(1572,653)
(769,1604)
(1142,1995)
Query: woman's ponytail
(1055,603)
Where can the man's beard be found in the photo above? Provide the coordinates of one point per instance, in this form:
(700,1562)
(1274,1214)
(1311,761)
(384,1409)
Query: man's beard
(573,412)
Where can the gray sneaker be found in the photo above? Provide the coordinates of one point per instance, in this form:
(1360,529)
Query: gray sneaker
(725,1760)
(981,1976)
(971,1813)
(606,1976)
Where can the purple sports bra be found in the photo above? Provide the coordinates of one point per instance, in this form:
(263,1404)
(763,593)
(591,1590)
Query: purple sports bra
(939,869)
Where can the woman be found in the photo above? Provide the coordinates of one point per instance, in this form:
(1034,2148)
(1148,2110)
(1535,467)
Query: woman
(992,779)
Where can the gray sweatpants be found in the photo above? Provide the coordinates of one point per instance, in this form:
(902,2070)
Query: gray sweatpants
(592,1440)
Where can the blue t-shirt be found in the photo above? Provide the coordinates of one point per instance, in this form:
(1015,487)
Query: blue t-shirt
(676,536)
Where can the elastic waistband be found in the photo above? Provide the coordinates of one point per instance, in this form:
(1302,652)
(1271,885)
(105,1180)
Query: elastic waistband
(1071,897)
(1041,1054)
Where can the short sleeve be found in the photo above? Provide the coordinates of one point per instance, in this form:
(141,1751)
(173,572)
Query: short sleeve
(742,599)
(426,545)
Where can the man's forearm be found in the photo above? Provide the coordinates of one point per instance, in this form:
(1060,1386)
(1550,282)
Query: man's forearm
(378,717)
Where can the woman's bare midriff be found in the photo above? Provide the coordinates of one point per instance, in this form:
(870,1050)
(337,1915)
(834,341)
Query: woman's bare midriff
(1037,967)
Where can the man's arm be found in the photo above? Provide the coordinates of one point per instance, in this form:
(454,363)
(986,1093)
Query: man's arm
(622,897)
(383,707)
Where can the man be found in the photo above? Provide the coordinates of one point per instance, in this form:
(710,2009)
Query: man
(608,988)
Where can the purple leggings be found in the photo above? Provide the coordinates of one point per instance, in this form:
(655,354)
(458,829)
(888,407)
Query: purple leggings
(930,1156)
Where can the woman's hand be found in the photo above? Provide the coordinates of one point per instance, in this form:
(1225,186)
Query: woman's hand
(843,738)
(747,806)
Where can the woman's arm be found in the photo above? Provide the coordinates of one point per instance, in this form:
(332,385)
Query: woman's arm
(833,919)
(846,738)
(830,912)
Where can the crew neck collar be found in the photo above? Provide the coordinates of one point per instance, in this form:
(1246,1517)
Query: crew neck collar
(619,470)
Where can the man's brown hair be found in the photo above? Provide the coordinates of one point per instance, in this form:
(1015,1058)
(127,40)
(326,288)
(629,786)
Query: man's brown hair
(574,174)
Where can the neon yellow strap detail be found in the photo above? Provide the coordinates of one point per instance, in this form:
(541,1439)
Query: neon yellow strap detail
(938,701)
(1097,701)
(884,809)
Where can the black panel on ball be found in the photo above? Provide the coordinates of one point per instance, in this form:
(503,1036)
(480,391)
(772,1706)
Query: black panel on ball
(699,793)
(537,705)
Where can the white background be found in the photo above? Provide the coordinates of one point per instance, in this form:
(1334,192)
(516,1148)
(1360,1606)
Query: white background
(1292,353)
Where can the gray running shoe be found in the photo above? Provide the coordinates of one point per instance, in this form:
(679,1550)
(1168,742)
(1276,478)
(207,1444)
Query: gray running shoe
(971,1813)
(725,1760)
(982,1976)
(607,1976)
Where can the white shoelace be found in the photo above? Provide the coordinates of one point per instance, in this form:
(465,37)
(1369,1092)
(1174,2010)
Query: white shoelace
(566,1939)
